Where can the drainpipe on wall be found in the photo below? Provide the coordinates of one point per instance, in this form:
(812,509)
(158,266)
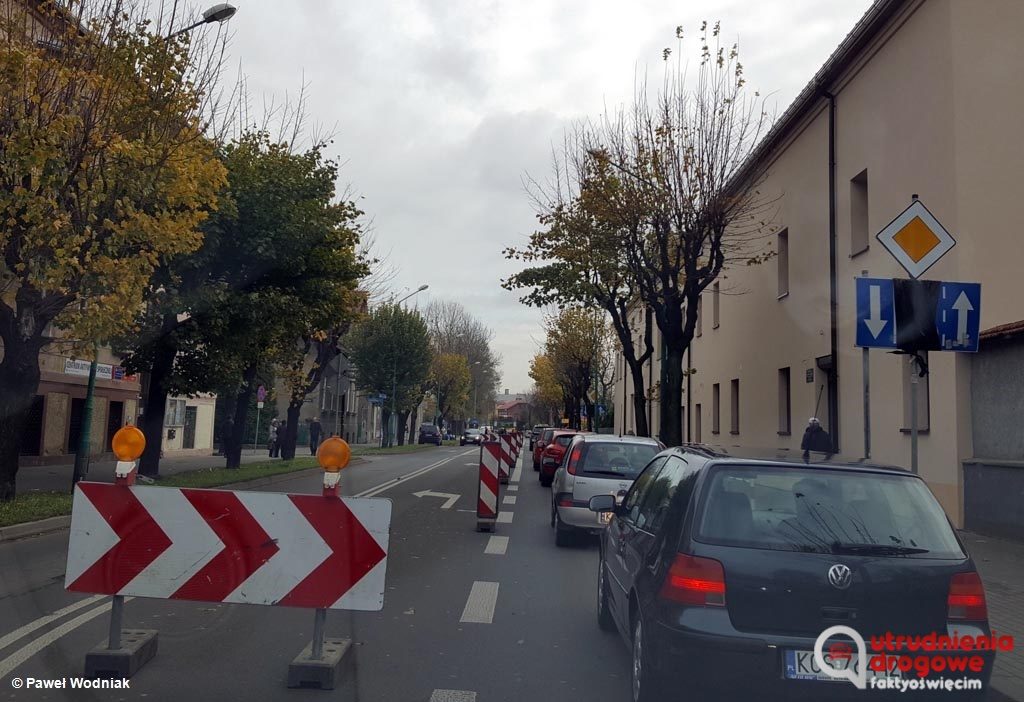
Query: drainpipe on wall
(833,376)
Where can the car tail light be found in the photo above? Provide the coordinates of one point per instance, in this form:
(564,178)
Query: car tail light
(967,598)
(565,499)
(573,460)
(695,581)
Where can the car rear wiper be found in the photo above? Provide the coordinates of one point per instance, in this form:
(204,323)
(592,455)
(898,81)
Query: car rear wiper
(875,549)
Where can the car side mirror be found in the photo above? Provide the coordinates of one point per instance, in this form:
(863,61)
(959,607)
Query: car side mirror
(602,503)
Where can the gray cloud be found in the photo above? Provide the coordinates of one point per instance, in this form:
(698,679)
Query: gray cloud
(439,107)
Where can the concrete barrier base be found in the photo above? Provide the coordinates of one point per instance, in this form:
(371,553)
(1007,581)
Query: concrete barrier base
(484,524)
(323,674)
(138,646)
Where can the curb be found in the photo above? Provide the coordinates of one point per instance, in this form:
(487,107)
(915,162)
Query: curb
(52,524)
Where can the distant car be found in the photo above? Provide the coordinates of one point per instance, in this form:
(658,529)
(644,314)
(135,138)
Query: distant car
(470,436)
(595,464)
(716,563)
(551,456)
(540,443)
(430,434)
(535,434)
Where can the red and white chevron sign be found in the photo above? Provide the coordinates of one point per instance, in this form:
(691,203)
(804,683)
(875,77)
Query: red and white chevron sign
(487,494)
(224,546)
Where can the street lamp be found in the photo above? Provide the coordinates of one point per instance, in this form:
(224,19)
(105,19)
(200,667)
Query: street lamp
(218,13)
(393,420)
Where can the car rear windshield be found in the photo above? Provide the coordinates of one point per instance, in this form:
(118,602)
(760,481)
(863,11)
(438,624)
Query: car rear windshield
(472,432)
(825,511)
(615,460)
(564,440)
(547,435)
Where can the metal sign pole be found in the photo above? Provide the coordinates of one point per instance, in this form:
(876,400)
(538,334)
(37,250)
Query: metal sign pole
(116,616)
(913,414)
(256,439)
(867,402)
(319,620)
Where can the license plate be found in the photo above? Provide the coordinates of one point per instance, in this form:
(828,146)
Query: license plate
(604,517)
(800,665)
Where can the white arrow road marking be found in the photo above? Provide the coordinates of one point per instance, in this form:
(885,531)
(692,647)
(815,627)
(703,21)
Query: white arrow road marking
(451,497)
(963,309)
(875,323)
(87,521)
(193,544)
(301,549)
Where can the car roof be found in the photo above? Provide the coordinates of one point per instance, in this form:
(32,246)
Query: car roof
(781,457)
(617,439)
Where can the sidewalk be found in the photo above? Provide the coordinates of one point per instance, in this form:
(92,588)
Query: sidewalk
(1001,566)
(58,478)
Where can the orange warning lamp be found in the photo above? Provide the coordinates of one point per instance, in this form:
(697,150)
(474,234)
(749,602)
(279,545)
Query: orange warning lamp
(128,443)
(333,454)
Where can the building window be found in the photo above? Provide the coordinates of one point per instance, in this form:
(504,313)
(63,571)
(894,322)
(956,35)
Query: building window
(859,213)
(175,416)
(734,391)
(716,406)
(908,366)
(700,316)
(785,407)
(696,423)
(715,295)
(783,263)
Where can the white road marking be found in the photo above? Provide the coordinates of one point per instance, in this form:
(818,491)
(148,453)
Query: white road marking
(32,648)
(450,498)
(505,517)
(508,500)
(10,638)
(512,488)
(376,490)
(483,597)
(496,545)
(452,696)
(517,473)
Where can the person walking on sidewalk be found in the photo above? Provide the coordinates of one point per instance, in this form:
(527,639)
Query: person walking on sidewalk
(815,439)
(314,435)
(282,432)
(272,443)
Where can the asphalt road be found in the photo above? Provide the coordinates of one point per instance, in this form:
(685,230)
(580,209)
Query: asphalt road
(540,643)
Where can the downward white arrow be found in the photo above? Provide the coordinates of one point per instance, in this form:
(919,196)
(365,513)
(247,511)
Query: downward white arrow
(963,308)
(875,323)
(451,499)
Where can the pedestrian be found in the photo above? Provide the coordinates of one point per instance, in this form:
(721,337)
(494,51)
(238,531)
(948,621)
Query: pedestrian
(314,435)
(272,443)
(815,439)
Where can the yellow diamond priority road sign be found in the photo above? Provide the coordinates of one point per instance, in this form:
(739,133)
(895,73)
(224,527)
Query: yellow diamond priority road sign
(916,239)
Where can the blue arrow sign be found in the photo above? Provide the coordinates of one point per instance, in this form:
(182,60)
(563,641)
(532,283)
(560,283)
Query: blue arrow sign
(958,316)
(876,315)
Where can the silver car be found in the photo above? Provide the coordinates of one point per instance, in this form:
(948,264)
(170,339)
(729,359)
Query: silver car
(595,464)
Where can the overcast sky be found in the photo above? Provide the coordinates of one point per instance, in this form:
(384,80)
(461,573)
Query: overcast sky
(439,107)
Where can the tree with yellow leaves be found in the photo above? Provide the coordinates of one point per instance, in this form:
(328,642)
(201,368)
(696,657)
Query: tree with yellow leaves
(104,172)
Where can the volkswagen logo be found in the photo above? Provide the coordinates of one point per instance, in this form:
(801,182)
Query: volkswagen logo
(840,576)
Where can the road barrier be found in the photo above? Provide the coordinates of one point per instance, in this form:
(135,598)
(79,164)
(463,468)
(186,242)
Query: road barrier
(315,551)
(511,451)
(487,490)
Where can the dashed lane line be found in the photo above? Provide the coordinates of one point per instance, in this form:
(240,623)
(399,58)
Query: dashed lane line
(496,545)
(479,609)
(453,696)
(504,517)
(508,500)
(512,488)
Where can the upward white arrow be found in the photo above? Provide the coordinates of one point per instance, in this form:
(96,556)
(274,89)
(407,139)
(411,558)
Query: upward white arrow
(875,323)
(963,309)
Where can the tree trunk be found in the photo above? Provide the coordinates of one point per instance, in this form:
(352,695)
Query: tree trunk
(19,382)
(230,446)
(238,411)
(155,403)
(412,426)
(671,396)
(636,372)
(385,424)
(401,419)
(590,415)
(291,433)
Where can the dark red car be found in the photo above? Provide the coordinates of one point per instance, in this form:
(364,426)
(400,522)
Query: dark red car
(540,443)
(551,455)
